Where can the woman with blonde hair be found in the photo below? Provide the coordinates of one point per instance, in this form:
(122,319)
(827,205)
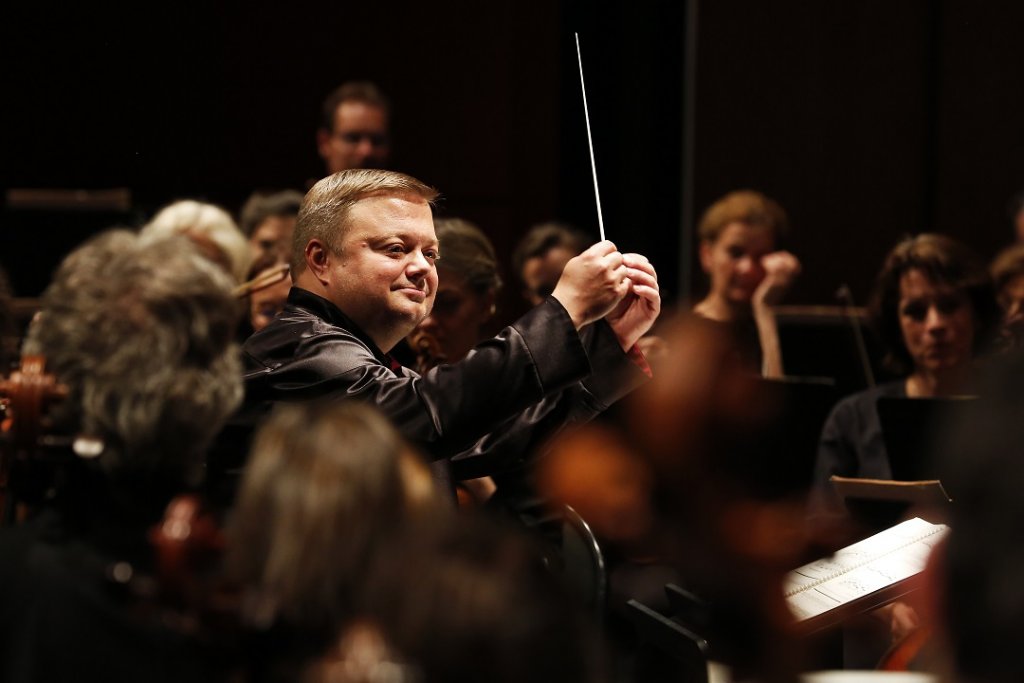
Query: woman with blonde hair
(748,273)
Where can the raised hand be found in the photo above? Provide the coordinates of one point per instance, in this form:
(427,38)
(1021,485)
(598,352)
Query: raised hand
(780,270)
(592,283)
(638,310)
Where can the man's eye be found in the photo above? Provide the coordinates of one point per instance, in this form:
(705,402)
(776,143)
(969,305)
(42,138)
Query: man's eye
(432,254)
(914,311)
(395,249)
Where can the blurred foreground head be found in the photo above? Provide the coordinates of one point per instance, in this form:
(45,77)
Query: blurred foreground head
(681,478)
(209,227)
(326,484)
(982,596)
(141,333)
(468,600)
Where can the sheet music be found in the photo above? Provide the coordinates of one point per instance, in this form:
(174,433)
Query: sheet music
(862,568)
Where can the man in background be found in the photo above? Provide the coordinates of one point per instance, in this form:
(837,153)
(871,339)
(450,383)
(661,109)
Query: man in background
(354,128)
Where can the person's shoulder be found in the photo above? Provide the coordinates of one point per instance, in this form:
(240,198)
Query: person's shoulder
(867,398)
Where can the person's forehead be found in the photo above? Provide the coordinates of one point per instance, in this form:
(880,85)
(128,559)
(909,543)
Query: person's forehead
(1015,286)
(383,215)
(557,255)
(748,234)
(357,114)
(271,226)
(536,267)
(917,283)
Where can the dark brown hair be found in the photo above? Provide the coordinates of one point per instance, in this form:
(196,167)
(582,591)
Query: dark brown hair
(943,261)
(353,91)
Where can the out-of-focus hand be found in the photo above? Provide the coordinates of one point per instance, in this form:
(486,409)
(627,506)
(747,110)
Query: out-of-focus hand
(638,310)
(592,284)
(780,270)
(901,618)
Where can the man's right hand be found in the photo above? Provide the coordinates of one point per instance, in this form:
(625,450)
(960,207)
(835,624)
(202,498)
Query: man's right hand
(592,284)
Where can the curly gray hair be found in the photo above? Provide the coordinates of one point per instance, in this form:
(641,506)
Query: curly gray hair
(141,332)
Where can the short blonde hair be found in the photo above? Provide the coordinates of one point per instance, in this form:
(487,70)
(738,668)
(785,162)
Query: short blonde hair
(203,223)
(324,211)
(743,206)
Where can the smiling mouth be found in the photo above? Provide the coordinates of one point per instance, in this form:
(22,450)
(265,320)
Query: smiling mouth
(413,293)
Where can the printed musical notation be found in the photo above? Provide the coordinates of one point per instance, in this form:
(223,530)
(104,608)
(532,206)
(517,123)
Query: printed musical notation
(862,569)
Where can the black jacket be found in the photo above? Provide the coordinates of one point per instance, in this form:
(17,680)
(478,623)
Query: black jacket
(483,414)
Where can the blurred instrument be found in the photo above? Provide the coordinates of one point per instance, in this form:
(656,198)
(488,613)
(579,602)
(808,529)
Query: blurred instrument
(25,397)
(427,348)
(269,277)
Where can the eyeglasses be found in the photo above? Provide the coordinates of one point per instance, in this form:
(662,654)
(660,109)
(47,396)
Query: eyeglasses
(356,137)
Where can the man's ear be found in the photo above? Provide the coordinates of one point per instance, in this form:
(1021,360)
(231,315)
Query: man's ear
(318,260)
(488,306)
(323,142)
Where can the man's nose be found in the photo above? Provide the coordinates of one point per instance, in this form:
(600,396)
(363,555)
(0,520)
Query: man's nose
(935,320)
(418,264)
(365,148)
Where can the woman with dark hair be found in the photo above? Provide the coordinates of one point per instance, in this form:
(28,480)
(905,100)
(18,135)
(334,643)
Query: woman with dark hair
(468,282)
(934,309)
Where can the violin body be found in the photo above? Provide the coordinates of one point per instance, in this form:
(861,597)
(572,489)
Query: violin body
(25,397)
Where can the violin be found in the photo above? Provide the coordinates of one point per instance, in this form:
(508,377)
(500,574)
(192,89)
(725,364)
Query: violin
(190,591)
(267,278)
(25,399)
(427,348)
(187,542)
(903,654)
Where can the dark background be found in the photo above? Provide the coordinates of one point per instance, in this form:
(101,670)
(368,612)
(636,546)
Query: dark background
(866,119)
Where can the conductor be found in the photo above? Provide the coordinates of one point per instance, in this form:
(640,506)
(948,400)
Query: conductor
(363,261)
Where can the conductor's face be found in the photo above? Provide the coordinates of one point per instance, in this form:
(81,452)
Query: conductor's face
(384,276)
